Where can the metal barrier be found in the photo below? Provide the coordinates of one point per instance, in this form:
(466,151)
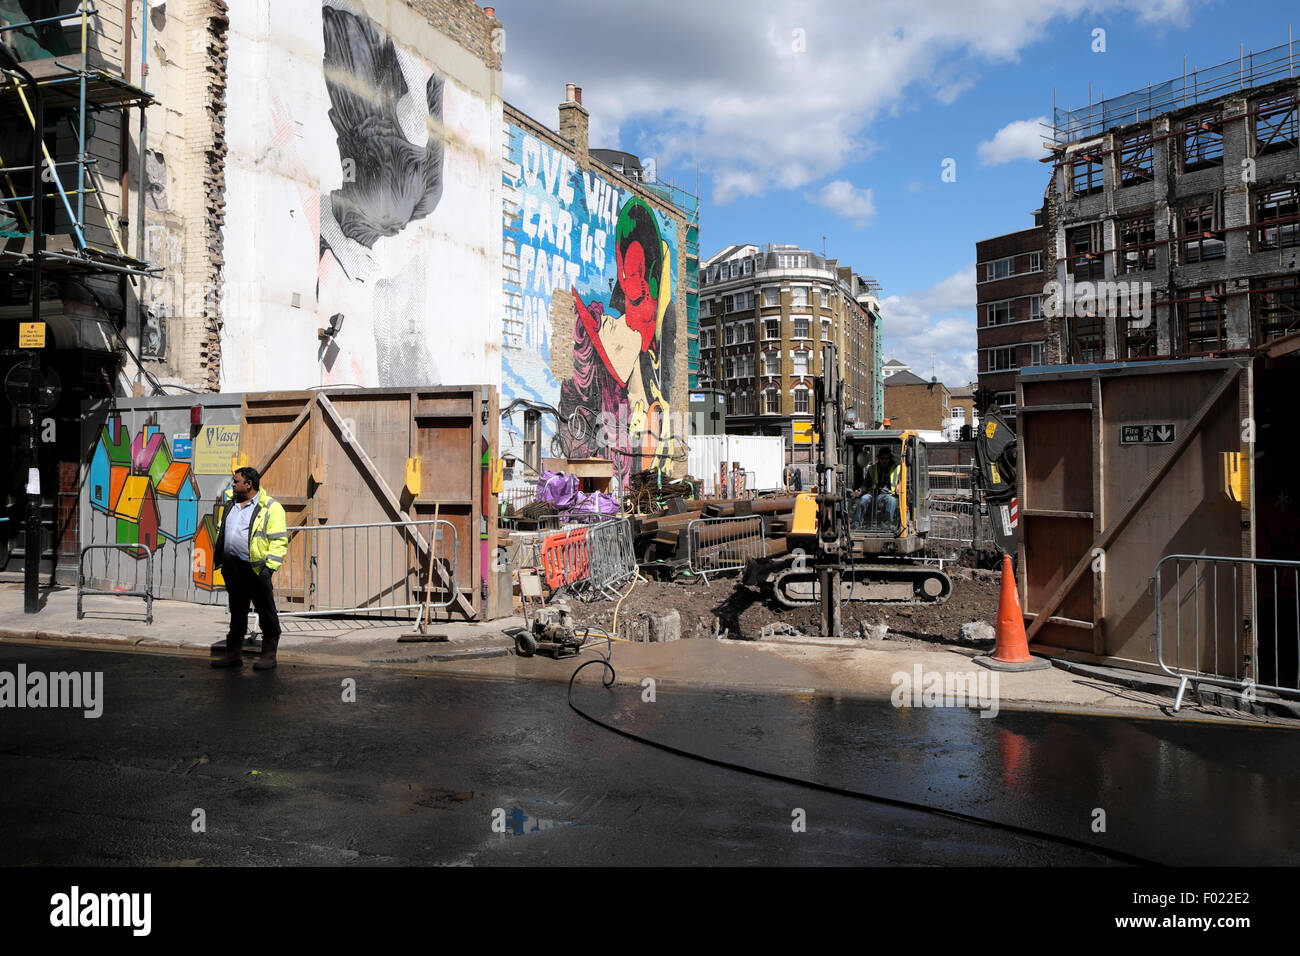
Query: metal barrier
(724,544)
(952,522)
(1265,616)
(147,593)
(951,479)
(376,568)
(612,556)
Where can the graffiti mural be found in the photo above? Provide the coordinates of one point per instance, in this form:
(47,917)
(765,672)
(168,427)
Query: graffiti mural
(603,261)
(145,496)
(364,153)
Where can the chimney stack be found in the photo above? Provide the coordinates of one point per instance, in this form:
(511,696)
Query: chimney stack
(491,12)
(573,119)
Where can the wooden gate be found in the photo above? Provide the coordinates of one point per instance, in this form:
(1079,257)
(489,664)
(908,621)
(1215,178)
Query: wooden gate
(362,456)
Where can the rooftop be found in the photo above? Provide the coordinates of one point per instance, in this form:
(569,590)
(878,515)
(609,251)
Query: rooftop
(1250,69)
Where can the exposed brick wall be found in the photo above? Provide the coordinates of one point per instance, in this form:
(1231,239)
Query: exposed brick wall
(916,406)
(465,22)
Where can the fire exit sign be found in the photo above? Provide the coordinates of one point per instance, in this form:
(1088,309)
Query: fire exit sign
(1160,434)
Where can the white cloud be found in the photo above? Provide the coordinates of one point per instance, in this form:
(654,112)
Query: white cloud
(939,320)
(1022,139)
(843,199)
(733,87)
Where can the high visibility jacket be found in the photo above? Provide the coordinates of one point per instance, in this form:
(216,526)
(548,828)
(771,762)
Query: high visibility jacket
(268,535)
(875,473)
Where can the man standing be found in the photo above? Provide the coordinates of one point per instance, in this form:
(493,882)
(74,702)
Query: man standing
(250,548)
(880,485)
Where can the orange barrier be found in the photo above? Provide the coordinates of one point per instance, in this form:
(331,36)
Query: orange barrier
(566,557)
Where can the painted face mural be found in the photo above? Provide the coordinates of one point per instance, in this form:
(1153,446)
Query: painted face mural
(386,111)
(618,378)
(598,261)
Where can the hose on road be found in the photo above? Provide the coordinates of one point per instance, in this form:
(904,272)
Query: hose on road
(608,677)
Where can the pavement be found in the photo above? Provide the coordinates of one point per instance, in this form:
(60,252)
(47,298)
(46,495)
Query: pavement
(870,669)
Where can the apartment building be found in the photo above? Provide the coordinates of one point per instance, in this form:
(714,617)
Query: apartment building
(1174,216)
(765,313)
(1009,281)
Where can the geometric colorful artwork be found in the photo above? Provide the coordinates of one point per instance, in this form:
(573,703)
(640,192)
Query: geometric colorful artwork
(152,498)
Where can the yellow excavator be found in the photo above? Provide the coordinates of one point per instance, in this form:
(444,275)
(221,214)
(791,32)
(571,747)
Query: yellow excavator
(857,549)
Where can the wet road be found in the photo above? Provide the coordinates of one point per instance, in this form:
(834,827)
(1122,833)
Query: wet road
(429,770)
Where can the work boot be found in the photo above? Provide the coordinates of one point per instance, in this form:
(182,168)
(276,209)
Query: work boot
(232,657)
(267,661)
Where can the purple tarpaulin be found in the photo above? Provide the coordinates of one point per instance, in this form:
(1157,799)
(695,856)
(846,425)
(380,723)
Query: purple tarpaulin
(561,490)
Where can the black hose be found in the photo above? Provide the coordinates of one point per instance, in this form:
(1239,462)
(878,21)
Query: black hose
(607,679)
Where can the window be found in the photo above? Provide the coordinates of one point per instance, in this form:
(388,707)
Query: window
(1198,227)
(772,402)
(1006,402)
(1083,245)
(799,296)
(1035,262)
(826,299)
(731,403)
(708,338)
(729,335)
(745,331)
(1086,176)
(771,363)
(801,401)
(771,296)
(826,330)
(1275,125)
(729,367)
(705,308)
(1277,217)
(1275,307)
(801,328)
(1036,354)
(1201,319)
(1137,245)
(999,269)
(1000,313)
(1202,143)
(772,329)
(727,303)
(1035,307)
(1001,360)
(1139,338)
(735,268)
(958,413)
(800,364)
(1136,160)
(747,268)
(1089,339)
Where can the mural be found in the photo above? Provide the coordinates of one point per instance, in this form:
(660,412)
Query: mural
(615,257)
(364,153)
(390,153)
(145,495)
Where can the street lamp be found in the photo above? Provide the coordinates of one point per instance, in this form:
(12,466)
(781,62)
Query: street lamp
(32,538)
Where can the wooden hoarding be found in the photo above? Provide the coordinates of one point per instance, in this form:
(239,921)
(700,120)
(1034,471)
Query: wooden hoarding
(1099,509)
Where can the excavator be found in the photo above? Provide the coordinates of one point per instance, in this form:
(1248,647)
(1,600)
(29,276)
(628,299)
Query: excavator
(831,557)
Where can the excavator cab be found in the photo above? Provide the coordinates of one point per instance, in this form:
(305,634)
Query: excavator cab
(889,524)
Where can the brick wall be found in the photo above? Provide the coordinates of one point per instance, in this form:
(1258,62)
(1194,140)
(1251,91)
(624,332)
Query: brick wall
(916,406)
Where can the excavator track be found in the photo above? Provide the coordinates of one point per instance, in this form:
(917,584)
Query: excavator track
(878,583)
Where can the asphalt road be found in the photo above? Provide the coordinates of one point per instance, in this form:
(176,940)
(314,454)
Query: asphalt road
(431,770)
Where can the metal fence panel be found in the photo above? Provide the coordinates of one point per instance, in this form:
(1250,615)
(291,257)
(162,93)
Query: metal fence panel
(612,556)
(368,569)
(135,591)
(724,544)
(1230,621)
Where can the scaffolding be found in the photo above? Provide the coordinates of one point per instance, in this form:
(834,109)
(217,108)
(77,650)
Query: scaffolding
(77,60)
(1250,69)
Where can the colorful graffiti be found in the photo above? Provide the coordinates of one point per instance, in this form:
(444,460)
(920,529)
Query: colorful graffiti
(613,257)
(148,497)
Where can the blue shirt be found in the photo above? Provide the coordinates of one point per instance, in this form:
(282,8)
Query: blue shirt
(237,522)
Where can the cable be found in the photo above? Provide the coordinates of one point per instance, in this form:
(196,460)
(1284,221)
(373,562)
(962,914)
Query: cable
(607,680)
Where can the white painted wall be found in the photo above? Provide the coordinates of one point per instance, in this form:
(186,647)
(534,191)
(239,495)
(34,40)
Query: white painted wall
(420,307)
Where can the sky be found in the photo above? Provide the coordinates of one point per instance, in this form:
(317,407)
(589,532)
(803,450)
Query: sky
(830,124)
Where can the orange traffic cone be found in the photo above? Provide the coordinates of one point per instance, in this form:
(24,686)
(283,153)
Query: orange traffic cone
(1011,652)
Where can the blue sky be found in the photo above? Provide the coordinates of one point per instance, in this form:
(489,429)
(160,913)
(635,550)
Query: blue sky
(834,118)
